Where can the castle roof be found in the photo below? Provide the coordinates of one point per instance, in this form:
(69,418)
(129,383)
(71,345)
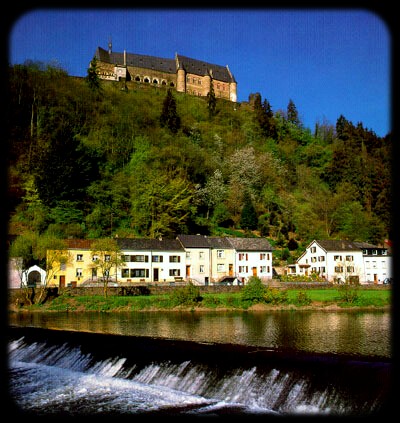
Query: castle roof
(193,66)
(198,67)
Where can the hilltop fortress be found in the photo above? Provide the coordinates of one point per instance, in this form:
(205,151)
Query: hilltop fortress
(182,73)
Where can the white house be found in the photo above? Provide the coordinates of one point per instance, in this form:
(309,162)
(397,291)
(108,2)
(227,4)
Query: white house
(213,259)
(340,261)
(253,257)
(151,260)
(197,258)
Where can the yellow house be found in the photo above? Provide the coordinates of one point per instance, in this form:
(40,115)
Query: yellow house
(79,267)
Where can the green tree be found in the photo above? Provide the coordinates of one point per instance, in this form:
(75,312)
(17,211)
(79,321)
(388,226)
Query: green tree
(169,116)
(211,101)
(248,218)
(92,77)
(53,252)
(292,114)
(106,256)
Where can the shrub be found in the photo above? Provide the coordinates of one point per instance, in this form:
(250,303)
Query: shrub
(348,293)
(187,295)
(303,298)
(254,291)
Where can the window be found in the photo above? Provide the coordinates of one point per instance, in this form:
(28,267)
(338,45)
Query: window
(79,257)
(313,249)
(188,254)
(157,259)
(174,272)
(350,269)
(263,269)
(63,265)
(374,252)
(220,267)
(262,256)
(107,257)
(139,258)
(339,269)
(125,258)
(337,258)
(220,253)
(201,270)
(139,273)
(125,273)
(321,258)
(313,259)
(349,258)
(243,269)
(201,254)
(78,272)
(174,259)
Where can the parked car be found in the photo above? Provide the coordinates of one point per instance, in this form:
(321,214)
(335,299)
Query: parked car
(387,281)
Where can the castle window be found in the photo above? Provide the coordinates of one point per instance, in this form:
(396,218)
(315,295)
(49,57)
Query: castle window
(172,84)
(137,79)
(146,80)
(155,81)
(163,83)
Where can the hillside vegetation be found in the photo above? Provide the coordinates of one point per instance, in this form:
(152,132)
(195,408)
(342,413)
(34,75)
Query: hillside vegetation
(100,159)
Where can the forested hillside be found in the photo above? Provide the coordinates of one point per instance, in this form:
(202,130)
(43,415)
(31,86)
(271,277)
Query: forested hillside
(90,159)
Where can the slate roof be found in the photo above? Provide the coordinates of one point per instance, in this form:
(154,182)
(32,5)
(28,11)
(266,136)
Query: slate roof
(339,245)
(139,244)
(250,244)
(198,67)
(194,241)
(193,66)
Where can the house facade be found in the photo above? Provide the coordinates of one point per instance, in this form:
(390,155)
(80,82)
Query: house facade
(339,261)
(253,257)
(196,258)
(182,74)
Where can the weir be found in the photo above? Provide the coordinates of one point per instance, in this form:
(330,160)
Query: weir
(186,377)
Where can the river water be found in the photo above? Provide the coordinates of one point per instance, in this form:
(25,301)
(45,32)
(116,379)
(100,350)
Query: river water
(201,364)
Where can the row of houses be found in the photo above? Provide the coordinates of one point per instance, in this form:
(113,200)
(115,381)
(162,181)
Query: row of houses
(207,260)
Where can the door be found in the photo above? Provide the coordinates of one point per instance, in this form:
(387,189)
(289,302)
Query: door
(155,274)
(188,271)
(254,271)
(230,269)
(62,281)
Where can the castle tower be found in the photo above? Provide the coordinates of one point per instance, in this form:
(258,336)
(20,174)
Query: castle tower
(181,76)
(232,87)
(207,83)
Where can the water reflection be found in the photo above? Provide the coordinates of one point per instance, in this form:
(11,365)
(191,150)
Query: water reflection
(365,333)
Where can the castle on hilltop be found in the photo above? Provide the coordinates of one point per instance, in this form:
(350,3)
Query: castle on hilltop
(182,74)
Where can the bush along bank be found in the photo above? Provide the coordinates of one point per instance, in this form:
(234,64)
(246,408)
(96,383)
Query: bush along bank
(252,296)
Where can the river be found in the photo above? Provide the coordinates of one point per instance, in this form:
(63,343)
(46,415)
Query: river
(201,364)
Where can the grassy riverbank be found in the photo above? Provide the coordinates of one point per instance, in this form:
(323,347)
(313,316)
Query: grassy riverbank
(192,299)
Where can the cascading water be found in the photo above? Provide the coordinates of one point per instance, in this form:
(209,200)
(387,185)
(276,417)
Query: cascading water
(77,373)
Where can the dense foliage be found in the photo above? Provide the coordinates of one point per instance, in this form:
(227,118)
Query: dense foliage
(92,160)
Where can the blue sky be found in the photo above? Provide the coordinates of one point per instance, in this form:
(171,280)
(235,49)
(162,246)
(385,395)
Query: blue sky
(330,62)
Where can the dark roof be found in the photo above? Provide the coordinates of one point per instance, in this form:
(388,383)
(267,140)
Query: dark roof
(197,67)
(219,242)
(138,244)
(194,241)
(339,245)
(250,244)
(137,60)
